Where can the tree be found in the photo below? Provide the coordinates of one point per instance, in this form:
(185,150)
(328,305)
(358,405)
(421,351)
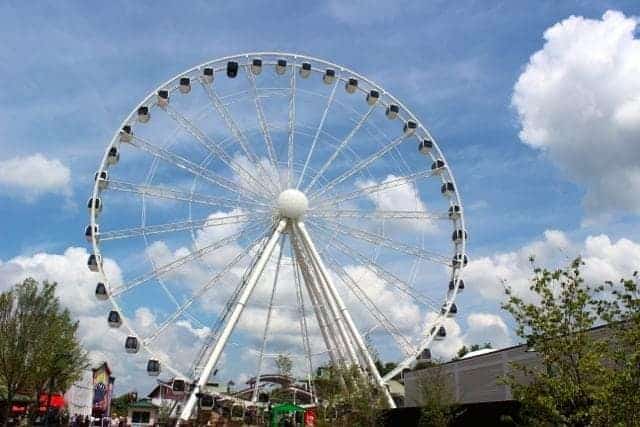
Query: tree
(620,308)
(464,350)
(38,345)
(436,397)
(566,388)
(347,397)
(284,365)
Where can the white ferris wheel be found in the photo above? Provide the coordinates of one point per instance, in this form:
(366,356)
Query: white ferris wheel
(272,203)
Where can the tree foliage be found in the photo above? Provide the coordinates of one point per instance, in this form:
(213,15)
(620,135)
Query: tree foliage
(347,397)
(284,365)
(464,350)
(39,350)
(436,397)
(580,378)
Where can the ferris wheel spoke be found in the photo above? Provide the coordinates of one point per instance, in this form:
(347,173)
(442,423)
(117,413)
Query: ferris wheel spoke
(193,168)
(358,167)
(181,261)
(318,131)
(177,226)
(378,315)
(216,149)
(390,278)
(339,149)
(376,214)
(237,133)
(372,189)
(292,123)
(379,240)
(264,127)
(185,196)
(265,334)
(200,292)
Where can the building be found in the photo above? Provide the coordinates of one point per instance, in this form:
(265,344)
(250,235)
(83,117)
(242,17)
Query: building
(142,413)
(476,377)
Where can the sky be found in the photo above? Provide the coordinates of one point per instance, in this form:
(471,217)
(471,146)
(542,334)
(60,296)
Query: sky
(536,106)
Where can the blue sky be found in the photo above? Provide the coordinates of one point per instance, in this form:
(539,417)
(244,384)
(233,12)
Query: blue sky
(71,72)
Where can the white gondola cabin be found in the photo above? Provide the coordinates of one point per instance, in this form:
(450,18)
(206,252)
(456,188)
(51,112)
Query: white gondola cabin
(454,212)
(178,385)
(425,355)
(232,69)
(114,319)
(207,75)
(126,134)
(351,85)
(409,128)
(95,202)
(441,334)
(447,189)
(453,310)
(143,114)
(162,98)
(153,367)
(281,66)
(452,285)
(460,259)
(101,292)
(131,344)
(94,262)
(425,146)
(114,156)
(329,76)
(103,179)
(392,111)
(185,85)
(206,402)
(305,70)
(459,236)
(256,66)
(373,96)
(437,167)
(90,232)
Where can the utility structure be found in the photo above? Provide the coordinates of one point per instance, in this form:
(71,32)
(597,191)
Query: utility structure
(272,203)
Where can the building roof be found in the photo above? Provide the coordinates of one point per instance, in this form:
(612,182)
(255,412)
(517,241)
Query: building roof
(143,404)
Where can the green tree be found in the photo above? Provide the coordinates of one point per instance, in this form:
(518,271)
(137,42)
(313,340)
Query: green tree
(284,365)
(436,396)
(620,308)
(347,398)
(567,386)
(464,350)
(38,346)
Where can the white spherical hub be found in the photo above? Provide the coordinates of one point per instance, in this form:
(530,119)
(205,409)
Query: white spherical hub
(292,203)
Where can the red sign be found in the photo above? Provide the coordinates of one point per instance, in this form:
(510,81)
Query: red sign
(309,418)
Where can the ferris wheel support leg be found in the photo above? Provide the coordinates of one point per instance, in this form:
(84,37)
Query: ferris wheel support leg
(335,353)
(342,333)
(252,280)
(347,317)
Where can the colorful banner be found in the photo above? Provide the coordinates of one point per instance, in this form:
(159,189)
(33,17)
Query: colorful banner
(102,388)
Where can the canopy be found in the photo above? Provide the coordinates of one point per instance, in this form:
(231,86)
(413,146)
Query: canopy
(285,408)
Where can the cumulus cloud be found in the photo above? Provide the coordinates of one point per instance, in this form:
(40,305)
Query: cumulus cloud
(480,328)
(579,100)
(604,260)
(33,176)
(402,197)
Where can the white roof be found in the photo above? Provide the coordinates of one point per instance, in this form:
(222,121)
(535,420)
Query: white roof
(479,352)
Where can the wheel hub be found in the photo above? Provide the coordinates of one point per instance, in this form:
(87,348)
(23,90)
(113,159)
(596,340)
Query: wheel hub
(292,203)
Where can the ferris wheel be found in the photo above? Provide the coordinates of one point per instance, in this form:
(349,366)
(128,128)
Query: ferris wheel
(271,203)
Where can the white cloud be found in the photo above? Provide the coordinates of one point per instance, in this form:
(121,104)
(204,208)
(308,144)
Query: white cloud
(33,176)
(579,100)
(404,197)
(603,258)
